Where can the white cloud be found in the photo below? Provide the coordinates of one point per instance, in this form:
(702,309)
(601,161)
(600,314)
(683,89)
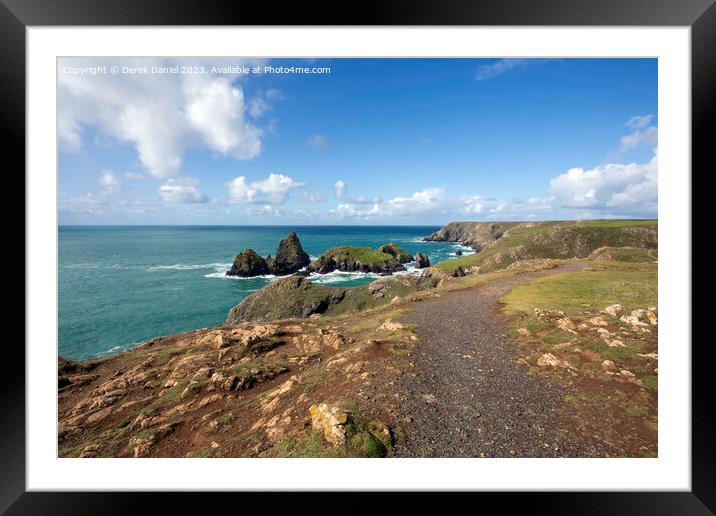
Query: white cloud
(342,194)
(257,107)
(272,190)
(109,181)
(318,141)
(160,115)
(639,121)
(626,188)
(490,71)
(425,202)
(340,189)
(216,109)
(313,197)
(649,136)
(182,190)
(112,198)
(479,205)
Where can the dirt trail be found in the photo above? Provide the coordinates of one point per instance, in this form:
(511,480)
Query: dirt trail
(470,397)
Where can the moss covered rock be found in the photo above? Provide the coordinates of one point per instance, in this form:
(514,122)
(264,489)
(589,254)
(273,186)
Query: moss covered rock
(356,259)
(293,296)
(247,264)
(396,252)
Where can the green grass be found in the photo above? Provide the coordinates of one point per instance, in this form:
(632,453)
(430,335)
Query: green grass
(651,381)
(364,255)
(633,285)
(629,351)
(636,410)
(556,337)
(364,438)
(632,254)
(170,397)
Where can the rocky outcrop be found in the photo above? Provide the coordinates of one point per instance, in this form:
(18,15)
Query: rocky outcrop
(290,258)
(477,235)
(396,252)
(331,421)
(357,259)
(293,296)
(248,264)
(421,261)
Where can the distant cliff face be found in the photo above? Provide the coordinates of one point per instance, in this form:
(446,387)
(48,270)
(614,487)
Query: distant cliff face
(501,244)
(477,235)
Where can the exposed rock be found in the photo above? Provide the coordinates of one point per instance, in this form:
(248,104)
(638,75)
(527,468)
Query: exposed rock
(421,261)
(636,318)
(436,276)
(390,325)
(608,365)
(331,421)
(396,252)
(598,321)
(377,289)
(290,256)
(89,451)
(613,310)
(248,264)
(544,314)
(458,253)
(215,340)
(477,235)
(548,359)
(566,324)
(430,399)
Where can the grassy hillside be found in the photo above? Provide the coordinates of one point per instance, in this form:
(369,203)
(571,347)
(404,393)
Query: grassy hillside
(633,285)
(557,240)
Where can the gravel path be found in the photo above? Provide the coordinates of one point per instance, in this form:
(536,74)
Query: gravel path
(470,397)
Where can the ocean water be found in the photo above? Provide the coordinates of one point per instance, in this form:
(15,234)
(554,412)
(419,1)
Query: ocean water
(122,285)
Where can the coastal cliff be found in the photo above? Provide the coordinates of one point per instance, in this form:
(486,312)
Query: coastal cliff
(501,244)
(477,235)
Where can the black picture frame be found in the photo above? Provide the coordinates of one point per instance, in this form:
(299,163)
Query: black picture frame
(17,15)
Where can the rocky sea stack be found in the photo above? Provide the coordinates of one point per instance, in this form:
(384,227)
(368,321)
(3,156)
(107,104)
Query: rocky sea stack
(395,251)
(290,258)
(385,260)
(247,264)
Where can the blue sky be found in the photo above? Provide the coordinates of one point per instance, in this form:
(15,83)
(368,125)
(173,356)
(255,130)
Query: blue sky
(369,141)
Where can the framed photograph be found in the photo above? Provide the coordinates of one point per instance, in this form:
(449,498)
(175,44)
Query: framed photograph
(418,249)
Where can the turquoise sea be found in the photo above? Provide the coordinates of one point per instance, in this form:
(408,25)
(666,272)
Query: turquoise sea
(122,285)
